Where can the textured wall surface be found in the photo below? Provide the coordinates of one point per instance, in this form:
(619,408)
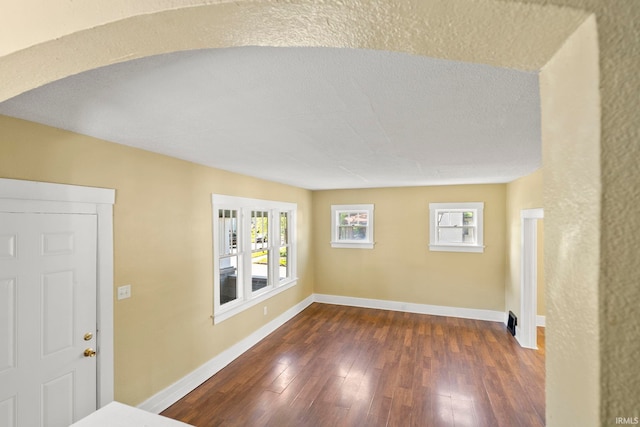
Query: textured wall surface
(523,193)
(570,125)
(523,35)
(162,247)
(401,267)
(514,36)
(618,27)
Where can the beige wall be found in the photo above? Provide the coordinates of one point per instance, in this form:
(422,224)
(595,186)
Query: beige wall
(37,32)
(162,245)
(522,34)
(571,158)
(401,267)
(523,193)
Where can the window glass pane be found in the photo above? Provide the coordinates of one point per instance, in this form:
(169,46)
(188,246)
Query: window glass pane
(259,250)
(443,218)
(468,218)
(283,256)
(353,218)
(283,264)
(259,229)
(353,225)
(259,270)
(228,231)
(352,233)
(450,219)
(284,228)
(469,235)
(450,235)
(228,279)
(457,235)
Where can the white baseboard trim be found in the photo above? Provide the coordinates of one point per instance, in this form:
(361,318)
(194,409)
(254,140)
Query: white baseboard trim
(167,397)
(519,339)
(436,310)
(170,395)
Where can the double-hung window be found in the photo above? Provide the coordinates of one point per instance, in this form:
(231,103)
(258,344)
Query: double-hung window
(284,248)
(352,226)
(228,255)
(456,227)
(260,250)
(254,252)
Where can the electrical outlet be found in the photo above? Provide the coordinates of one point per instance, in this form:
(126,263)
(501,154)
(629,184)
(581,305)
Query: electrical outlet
(265,310)
(124,292)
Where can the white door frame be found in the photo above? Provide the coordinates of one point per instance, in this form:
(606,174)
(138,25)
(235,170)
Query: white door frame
(526,331)
(39,197)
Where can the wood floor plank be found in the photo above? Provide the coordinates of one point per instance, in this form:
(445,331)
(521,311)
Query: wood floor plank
(347,366)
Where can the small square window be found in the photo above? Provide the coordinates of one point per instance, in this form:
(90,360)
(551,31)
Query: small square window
(352,226)
(456,227)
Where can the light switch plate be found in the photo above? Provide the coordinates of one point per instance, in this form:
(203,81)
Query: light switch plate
(124,292)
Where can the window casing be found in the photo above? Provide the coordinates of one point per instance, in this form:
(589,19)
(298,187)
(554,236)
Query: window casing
(456,227)
(352,226)
(254,252)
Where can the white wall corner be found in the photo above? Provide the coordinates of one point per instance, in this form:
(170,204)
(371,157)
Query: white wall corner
(522,343)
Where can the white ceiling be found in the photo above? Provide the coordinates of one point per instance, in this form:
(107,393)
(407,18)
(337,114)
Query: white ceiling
(316,118)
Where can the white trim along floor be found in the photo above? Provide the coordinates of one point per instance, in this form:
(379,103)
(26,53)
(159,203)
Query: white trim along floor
(167,397)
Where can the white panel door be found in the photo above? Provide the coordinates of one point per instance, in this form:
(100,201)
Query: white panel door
(47,318)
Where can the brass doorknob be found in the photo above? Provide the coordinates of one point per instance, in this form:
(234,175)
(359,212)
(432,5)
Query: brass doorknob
(89,352)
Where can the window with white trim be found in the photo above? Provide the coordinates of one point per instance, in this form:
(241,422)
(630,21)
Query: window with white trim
(284,252)
(254,252)
(456,227)
(352,226)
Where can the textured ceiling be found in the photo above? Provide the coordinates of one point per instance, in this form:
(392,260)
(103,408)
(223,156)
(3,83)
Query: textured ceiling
(317,118)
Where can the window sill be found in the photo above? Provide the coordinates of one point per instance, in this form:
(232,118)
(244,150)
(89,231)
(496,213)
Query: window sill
(456,248)
(352,245)
(238,307)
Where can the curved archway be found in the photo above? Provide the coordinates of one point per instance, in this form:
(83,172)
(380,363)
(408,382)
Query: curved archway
(499,33)
(496,33)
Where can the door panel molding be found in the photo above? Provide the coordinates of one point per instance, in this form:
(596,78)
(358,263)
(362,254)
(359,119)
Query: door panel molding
(41,197)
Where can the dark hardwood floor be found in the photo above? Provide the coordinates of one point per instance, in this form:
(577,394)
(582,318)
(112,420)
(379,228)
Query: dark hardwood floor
(346,366)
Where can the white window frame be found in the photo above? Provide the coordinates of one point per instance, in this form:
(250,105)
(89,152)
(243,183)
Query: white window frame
(246,297)
(435,245)
(366,243)
(278,244)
